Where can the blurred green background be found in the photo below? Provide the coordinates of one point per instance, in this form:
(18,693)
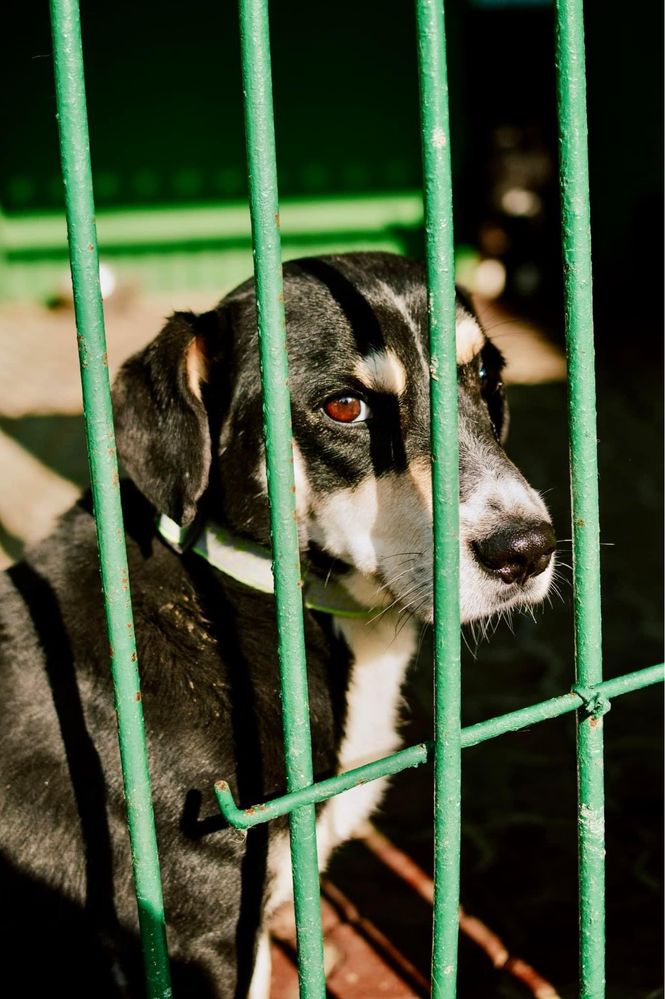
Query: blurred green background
(166,129)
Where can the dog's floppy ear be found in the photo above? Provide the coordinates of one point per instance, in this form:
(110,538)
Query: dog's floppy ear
(162,427)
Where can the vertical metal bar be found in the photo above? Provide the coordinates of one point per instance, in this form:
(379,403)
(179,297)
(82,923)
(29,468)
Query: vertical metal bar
(264,207)
(75,155)
(445,487)
(584,483)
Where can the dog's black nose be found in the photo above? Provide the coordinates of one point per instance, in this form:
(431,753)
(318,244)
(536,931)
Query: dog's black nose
(516,553)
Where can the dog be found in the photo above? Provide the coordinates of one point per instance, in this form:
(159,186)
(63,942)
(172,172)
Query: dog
(188,412)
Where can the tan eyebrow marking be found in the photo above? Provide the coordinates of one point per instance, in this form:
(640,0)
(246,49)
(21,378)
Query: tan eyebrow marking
(383,371)
(469,339)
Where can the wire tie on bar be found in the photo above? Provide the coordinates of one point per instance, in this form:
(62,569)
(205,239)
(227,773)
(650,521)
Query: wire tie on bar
(595,704)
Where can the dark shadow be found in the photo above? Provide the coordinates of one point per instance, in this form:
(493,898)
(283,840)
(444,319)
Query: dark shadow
(11,544)
(217,607)
(83,760)
(57,440)
(360,315)
(51,942)
(191,825)
(414,913)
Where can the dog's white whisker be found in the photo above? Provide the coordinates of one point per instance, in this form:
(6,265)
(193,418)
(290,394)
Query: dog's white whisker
(390,606)
(604,544)
(395,579)
(384,558)
(472,652)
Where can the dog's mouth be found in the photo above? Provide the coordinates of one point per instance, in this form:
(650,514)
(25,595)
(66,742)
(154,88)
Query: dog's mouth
(485,594)
(484,591)
(382,534)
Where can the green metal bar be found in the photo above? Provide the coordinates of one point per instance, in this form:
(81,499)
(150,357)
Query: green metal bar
(414,756)
(245,818)
(575,213)
(445,490)
(264,209)
(513,721)
(75,155)
(632,681)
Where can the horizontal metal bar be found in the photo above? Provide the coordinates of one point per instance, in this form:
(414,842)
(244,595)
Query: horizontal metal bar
(414,756)
(556,706)
(244,818)
(632,681)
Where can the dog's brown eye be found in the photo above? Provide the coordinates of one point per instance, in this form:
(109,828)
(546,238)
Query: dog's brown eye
(346,409)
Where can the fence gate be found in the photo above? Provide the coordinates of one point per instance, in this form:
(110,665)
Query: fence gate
(590,695)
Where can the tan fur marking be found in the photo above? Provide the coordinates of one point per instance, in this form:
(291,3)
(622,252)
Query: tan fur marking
(420,473)
(382,370)
(197,367)
(469,339)
(303,490)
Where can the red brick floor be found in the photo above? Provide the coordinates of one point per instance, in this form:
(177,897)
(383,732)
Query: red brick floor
(361,963)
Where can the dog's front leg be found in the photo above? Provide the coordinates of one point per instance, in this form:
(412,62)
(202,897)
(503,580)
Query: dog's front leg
(261,976)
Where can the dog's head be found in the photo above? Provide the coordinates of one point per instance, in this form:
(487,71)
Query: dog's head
(189,427)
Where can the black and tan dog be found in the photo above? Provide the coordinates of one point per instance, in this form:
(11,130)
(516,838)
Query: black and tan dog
(188,412)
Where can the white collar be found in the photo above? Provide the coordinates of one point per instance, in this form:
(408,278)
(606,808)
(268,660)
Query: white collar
(251,564)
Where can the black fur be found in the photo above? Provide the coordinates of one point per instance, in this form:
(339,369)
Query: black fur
(206,645)
(209,678)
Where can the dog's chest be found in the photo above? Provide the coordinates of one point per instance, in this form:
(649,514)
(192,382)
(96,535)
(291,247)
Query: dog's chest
(380,654)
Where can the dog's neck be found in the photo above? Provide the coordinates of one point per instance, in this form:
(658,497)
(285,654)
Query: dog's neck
(251,564)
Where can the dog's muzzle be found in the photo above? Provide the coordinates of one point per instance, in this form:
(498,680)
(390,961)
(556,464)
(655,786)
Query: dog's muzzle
(518,552)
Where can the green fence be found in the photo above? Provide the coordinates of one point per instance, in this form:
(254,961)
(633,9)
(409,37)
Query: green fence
(589,696)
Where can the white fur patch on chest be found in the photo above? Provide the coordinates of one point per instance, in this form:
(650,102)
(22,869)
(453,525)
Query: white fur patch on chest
(381,652)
